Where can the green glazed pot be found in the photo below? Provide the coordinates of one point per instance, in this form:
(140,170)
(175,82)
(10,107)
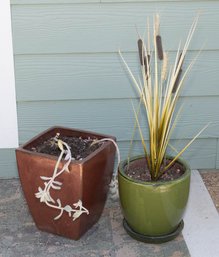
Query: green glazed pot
(153,208)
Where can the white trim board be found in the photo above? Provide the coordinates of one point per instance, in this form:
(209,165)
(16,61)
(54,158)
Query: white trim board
(201,231)
(8,113)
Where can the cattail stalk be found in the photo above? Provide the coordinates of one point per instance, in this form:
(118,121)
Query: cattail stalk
(158,37)
(146,65)
(164,67)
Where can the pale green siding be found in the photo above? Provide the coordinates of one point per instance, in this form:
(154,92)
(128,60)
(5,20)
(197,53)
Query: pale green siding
(8,167)
(113,116)
(56,74)
(68,71)
(104,27)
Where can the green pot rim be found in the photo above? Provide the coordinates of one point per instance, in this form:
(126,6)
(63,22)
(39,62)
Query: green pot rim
(154,183)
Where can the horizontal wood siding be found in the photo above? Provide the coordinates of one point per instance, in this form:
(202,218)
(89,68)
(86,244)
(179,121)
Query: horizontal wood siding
(100,76)
(99,27)
(8,166)
(113,116)
(201,154)
(68,71)
(29,2)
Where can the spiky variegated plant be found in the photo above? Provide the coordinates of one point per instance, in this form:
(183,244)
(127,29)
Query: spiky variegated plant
(159,91)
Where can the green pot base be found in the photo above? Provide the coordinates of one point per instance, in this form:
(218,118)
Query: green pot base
(153,239)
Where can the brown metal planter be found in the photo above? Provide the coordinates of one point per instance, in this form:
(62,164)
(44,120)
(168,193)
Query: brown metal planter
(88,181)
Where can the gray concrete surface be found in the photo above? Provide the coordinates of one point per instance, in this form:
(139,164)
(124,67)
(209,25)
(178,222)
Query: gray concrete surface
(20,238)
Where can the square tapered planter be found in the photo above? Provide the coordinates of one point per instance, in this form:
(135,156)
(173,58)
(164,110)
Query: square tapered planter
(88,181)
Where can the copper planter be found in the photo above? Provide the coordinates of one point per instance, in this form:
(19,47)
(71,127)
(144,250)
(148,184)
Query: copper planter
(88,181)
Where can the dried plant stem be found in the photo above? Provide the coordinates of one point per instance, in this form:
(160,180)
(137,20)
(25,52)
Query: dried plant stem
(164,67)
(159,94)
(51,182)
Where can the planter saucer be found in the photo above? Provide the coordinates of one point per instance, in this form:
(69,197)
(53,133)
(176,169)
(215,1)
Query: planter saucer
(153,239)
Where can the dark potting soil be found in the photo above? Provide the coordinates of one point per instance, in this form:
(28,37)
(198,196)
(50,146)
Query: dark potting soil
(138,170)
(80,147)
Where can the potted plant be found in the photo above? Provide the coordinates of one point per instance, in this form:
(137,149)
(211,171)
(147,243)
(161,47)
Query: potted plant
(154,187)
(65,175)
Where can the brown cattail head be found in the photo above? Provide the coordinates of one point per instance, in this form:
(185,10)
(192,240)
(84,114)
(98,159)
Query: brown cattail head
(147,65)
(180,56)
(158,37)
(177,81)
(179,74)
(143,60)
(159,47)
(141,50)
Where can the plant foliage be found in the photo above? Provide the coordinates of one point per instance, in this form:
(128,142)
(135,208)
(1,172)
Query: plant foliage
(159,89)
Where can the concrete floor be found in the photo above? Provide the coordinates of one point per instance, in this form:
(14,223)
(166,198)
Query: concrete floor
(201,231)
(19,237)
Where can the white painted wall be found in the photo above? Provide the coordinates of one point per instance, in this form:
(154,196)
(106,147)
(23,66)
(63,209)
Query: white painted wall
(8,114)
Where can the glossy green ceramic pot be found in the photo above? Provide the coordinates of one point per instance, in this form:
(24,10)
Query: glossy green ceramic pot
(153,208)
